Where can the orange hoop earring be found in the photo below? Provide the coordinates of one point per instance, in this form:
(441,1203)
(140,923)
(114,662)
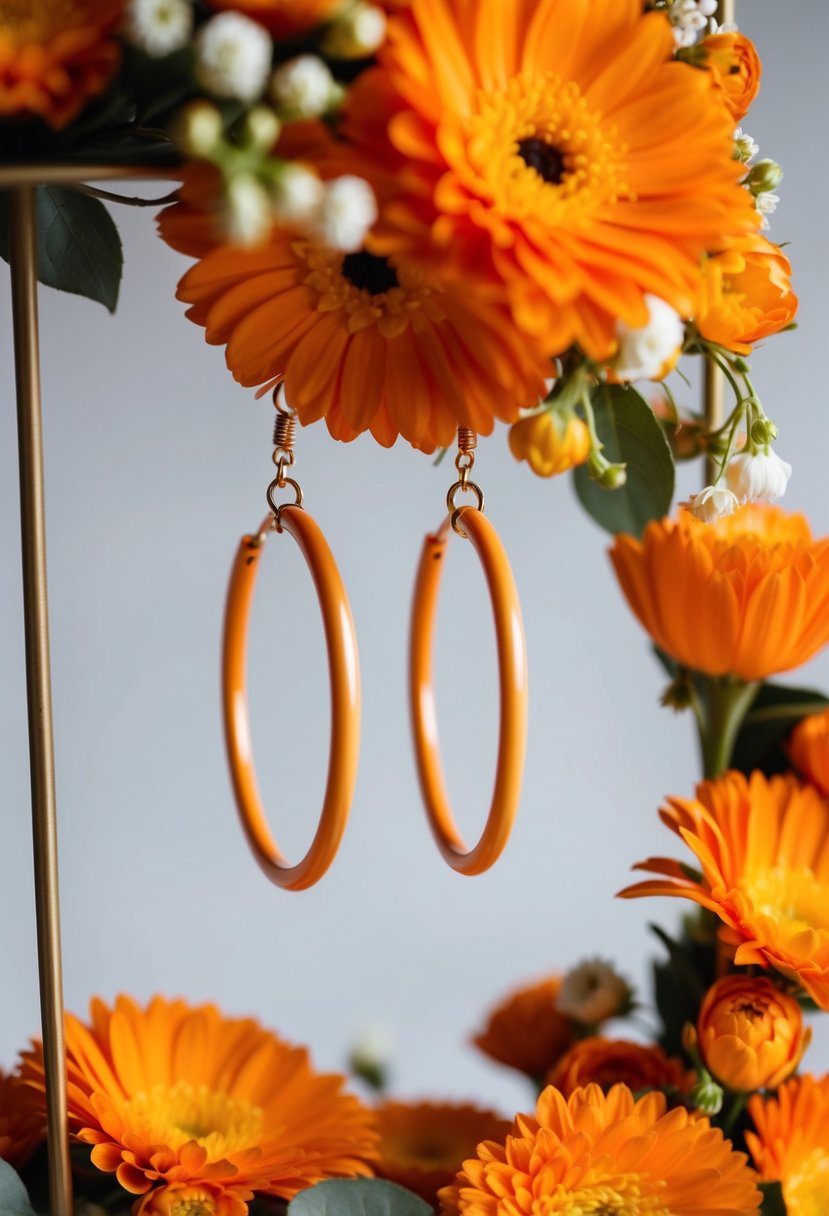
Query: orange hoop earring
(470,523)
(341,644)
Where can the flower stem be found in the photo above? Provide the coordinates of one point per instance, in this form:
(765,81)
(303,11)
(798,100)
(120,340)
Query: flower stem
(726,704)
(737,1107)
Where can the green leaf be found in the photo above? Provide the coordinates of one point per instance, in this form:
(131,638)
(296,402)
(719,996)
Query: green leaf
(78,247)
(357,1197)
(13,1198)
(630,433)
(771,719)
(773,1202)
(680,982)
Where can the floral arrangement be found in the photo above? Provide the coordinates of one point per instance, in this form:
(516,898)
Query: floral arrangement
(410,218)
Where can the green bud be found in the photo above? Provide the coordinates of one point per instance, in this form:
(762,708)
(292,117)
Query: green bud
(763,177)
(260,128)
(707,1095)
(199,129)
(609,476)
(741,365)
(763,432)
(677,696)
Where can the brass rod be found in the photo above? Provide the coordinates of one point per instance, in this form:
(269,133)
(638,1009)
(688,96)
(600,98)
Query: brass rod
(68,175)
(23,261)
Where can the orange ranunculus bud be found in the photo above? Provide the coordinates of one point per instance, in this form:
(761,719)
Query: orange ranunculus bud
(526,1031)
(609,1062)
(737,69)
(751,1034)
(809,749)
(549,443)
(747,295)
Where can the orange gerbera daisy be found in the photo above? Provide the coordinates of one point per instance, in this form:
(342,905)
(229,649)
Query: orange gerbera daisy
(609,1062)
(809,749)
(526,1031)
(763,845)
(184,1097)
(55,55)
(791,1144)
(747,295)
(285,18)
(597,1152)
(424,1144)
(22,1122)
(553,153)
(745,596)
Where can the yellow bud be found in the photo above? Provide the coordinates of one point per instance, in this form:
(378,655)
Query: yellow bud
(199,129)
(751,1033)
(549,443)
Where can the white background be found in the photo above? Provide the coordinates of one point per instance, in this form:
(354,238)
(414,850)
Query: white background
(156,463)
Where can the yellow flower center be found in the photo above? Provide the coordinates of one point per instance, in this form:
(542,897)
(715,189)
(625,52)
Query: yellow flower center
(796,899)
(369,290)
(622,1196)
(201,1206)
(541,151)
(806,1190)
(174,1116)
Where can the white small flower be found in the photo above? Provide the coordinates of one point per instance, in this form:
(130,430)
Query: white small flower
(758,476)
(158,27)
(712,503)
(303,87)
(248,213)
(347,211)
(371,1050)
(233,56)
(745,148)
(593,992)
(298,195)
(359,32)
(645,353)
(766,204)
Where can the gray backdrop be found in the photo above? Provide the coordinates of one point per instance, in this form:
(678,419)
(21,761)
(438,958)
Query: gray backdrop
(156,462)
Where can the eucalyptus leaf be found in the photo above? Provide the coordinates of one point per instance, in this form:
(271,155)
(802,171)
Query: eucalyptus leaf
(78,247)
(357,1197)
(773,716)
(626,425)
(773,1202)
(13,1198)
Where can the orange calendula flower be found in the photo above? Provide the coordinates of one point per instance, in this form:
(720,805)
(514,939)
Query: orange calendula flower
(198,1200)
(746,596)
(809,749)
(424,1144)
(596,1152)
(22,1121)
(549,443)
(569,175)
(791,1143)
(763,845)
(181,1096)
(526,1031)
(55,55)
(735,65)
(285,18)
(609,1062)
(751,1035)
(747,295)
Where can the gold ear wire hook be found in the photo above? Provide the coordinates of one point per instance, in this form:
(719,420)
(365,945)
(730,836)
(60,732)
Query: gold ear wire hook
(465,459)
(284,428)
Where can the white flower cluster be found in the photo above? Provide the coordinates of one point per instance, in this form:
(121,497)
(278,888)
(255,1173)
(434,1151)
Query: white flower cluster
(338,213)
(752,476)
(689,18)
(158,27)
(233,57)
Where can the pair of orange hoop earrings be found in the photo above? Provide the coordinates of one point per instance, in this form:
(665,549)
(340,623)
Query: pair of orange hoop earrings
(341,643)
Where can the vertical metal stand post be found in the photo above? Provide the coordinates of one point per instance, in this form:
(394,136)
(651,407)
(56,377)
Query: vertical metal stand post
(39,690)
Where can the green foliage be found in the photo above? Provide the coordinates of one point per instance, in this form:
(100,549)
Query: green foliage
(78,249)
(357,1197)
(768,724)
(631,435)
(13,1198)
(681,981)
(773,1202)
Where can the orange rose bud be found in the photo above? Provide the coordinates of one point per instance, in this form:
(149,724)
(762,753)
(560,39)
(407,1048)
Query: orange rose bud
(609,1062)
(809,749)
(751,1034)
(736,67)
(747,295)
(549,443)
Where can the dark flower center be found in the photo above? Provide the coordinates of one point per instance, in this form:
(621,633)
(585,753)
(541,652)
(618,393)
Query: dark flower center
(369,273)
(545,158)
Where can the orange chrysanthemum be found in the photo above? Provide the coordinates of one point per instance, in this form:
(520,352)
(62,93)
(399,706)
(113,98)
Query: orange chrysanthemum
(609,1062)
(552,153)
(745,596)
(526,1031)
(791,1144)
(736,67)
(809,749)
(763,845)
(184,1097)
(55,55)
(424,1144)
(603,1153)
(284,18)
(747,295)
(22,1122)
